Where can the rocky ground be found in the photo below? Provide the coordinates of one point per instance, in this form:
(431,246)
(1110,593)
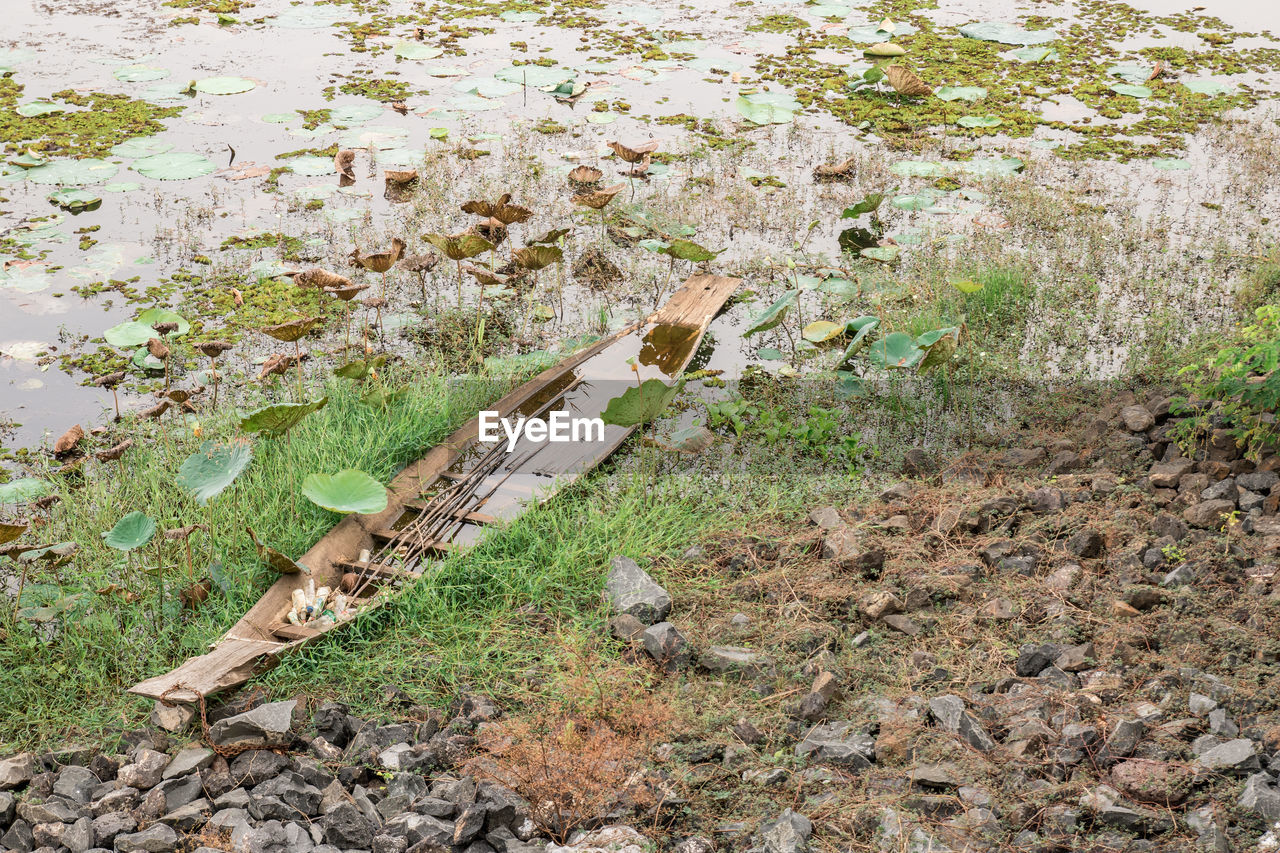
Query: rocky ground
(1066,643)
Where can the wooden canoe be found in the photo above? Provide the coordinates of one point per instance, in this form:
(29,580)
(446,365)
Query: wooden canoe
(444,501)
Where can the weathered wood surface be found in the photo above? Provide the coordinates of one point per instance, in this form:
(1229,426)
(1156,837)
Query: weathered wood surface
(671,337)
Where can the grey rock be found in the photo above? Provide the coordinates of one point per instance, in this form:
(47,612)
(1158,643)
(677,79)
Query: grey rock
(902,624)
(1182,575)
(189,817)
(1258,481)
(788,833)
(626,627)
(157,838)
(119,800)
(1086,544)
(1236,756)
(1222,490)
(1165,475)
(825,517)
(49,811)
(75,783)
(1200,705)
(8,808)
(17,771)
(265,726)
(1222,725)
(1032,659)
(236,798)
(840,743)
(1045,500)
(1137,418)
(1022,457)
(847,546)
(1076,658)
(667,646)
(285,797)
(271,837)
(1208,514)
(108,826)
(732,660)
(416,828)
(146,771)
(951,715)
(190,760)
(172,718)
(1124,739)
(1261,796)
(630,589)
(235,824)
(78,837)
(344,826)
(18,837)
(469,824)
(1168,525)
(1249,501)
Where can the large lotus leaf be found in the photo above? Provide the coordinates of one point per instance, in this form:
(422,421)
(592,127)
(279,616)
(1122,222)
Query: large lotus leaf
(210,470)
(1002,166)
(140,73)
(821,330)
(10,532)
(773,315)
(886,48)
(348,490)
(763,108)
(877,33)
(537,257)
(687,250)
(416,50)
(1171,164)
(897,349)
(1035,54)
(10,57)
(535,75)
(132,531)
(978,121)
(1208,87)
(350,114)
(163,315)
(32,279)
(225,85)
(24,490)
(73,172)
(141,146)
(918,169)
(884,254)
(640,404)
(75,200)
(961,93)
(278,419)
(1006,33)
(292,330)
(860,328)
(486,87)
(869,204)
(1131,89)
(459,247)
(939,346)
(1131,72)
(130,334)
(174,166)
(31,109)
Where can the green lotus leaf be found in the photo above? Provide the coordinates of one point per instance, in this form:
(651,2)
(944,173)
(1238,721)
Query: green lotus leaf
(152,316)
(979,121)
(1208,87)
(536,76)
(348,490)
(884,254)
(762,108)
(140,73)
(822,330)
(869,204)
(24,490)
(133,531)
(1006,33)
(961,93)
(141,147)
(939,346)
(208,472)
(640,404)
(773,315)
(225,85)
(129,334)
(459,247)
(897,349)
(174,166)
(860,328)
(278,419)
(1131,89)
(31,109)
(75,199)
(416,50)
(73,172)
(687,250)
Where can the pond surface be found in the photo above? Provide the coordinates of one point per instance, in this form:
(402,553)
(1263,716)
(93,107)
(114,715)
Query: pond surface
(180,154)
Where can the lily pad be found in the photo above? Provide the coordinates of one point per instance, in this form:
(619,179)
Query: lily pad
(209,471)
(1131,89)
(961,93)
(487,87)
(822,330)
(75,199)
(24,490)
(11,57)
(1006,33)
(225,85)
(773,315)
(73,172)
(310,17)
(174,166)
(535,75)
(1209,87)
(640,404)
(375,136)
(348,490)
(1035,54)
(763,108)
(474,104)
(1131,72)
(352,114)
(152,316)
(141,147)
(897,349)
(1171,164)
(32,109)
(311,166)
(860,328)
(886,48)
(32,279)
(133,531)
(978,121)
(884,254)
(140,73)
(416,50)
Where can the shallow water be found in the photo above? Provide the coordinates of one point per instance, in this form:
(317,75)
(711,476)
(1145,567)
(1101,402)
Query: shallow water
(159,228)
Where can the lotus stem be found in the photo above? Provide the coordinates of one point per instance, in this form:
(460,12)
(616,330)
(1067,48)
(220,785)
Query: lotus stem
(213,367)
(459,263)
(297,354)
(116,399)
(17,599)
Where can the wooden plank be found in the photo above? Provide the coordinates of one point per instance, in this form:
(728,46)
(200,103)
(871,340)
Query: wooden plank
(230,663)
(464,515)
(389,534)
(297,632)
(378,570)
(251,643)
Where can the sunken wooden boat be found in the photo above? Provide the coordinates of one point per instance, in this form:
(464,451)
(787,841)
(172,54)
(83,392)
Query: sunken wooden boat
(446,500)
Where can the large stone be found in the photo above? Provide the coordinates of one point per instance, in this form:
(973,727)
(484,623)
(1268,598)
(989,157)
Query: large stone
(285,797)
(265,726)
(1137,418)
(1258,481)
(788,833)
(111,824)
(1260,795)
(172,718)
(951,715)
(1165,475)
(344,826)
(1234,756)
(1208,514)
(825,517)
(840,743)
(1159,782)
(732,660)
(75,783)
(667,646)
(846,546)
(17,771)
(190,760)
(629,589)
(157,838)
(416,829)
